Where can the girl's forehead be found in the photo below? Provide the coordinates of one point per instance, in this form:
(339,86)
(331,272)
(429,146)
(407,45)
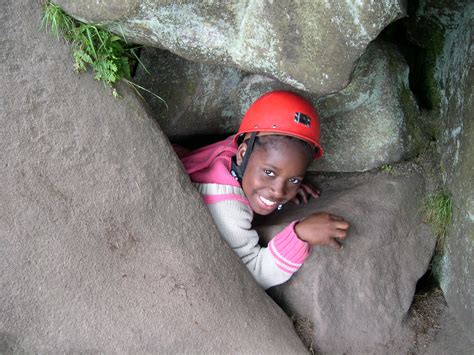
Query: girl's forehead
(281,155)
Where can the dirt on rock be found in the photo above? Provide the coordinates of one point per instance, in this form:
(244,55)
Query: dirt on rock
(435,330)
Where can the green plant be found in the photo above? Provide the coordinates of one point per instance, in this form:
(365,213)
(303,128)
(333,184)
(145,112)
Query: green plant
(109,56)
(438,212)
(56,21)
(387,168)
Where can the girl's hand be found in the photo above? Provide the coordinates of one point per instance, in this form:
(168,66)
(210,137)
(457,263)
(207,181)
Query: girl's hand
(322,229)
(304,192)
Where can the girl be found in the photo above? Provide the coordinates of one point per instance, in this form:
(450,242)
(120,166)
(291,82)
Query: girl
(258,170)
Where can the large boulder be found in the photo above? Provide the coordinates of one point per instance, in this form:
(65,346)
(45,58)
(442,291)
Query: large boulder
(444,29)
(358,298)
(310,45)
(457,264)
(105,244)
(200,98)
(373,121)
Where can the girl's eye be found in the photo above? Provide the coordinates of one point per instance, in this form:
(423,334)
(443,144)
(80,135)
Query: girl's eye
(295,181)
(268,172)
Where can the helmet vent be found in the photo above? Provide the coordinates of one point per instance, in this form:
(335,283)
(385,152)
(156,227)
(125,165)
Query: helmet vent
(303,119)
(274,126)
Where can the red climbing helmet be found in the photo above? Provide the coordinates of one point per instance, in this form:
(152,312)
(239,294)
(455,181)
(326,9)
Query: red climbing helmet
(285,113)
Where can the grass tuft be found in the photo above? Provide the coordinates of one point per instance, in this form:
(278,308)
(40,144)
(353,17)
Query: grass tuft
(56,21)
(388,168)
(438,212)
(109,56)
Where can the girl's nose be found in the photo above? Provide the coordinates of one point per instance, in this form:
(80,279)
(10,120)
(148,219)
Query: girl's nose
(279,189)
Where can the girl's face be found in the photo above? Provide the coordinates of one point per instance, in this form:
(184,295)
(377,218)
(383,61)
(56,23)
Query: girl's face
(272,175)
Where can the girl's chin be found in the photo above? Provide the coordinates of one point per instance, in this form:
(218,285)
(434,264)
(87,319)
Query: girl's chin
(263,213)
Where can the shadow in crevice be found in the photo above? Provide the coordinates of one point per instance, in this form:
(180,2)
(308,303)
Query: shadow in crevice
(197,141)
(400,34)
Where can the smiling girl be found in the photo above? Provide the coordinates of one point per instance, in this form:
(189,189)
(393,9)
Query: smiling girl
(258,170)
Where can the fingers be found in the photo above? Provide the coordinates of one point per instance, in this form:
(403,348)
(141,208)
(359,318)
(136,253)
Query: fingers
(304,195)
(341,225)
(339,234)
(295,200)
(310,190)
(339,222)
(335,244)
(301,195)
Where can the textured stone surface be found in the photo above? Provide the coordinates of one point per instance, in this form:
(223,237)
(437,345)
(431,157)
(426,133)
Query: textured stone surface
(358,298)
(370,123)
(310,45)
(373,121)
(105,245)
(457,278)
(453,72)
(200,98)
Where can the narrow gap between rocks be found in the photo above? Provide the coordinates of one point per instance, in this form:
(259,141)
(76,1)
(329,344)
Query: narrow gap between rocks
(415,55)
(398,33)
(198,141)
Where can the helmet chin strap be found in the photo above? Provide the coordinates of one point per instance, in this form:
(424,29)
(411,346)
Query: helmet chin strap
(237,171)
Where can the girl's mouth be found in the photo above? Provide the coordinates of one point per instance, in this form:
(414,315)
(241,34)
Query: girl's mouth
(268,204)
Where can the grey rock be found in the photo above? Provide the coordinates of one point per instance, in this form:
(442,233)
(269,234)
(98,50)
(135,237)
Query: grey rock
(453,72)
(202,99)
(311,46)
(105,245)
(374,120)
(199,97)
(358,298)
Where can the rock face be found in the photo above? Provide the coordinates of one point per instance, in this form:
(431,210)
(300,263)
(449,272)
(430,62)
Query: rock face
(372,122)
(311,46)
(105,245)
(200,98)
(453,75)
(457,266)
(358,298)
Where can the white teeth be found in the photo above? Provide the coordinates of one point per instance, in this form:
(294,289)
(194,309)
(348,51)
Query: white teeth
(267,202)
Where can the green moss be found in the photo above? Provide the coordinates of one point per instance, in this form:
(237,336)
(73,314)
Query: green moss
(417,131)
(388,168)
(191,85)
(438,212)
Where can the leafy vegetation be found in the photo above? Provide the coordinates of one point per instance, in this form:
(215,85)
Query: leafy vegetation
(109,56)
(438,212)
(388,168)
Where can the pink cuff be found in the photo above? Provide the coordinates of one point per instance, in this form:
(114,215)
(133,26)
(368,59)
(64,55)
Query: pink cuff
(288,250)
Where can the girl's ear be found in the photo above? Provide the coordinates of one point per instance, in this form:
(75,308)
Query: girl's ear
(239,156)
